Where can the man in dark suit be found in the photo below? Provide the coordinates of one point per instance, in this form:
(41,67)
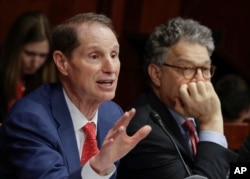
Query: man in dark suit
(42,136)
(178,68)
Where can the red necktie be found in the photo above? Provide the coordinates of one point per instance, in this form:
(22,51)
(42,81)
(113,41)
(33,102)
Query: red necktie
(193,137)
(90,144)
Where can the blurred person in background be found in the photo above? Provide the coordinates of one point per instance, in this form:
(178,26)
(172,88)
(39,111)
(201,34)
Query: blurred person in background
(233,92)
(24,61)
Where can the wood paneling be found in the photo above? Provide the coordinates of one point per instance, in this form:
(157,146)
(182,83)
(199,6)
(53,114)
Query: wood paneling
(142,16)
(9,10)
(231,19)
(236,134)
(56,10)
(62,9)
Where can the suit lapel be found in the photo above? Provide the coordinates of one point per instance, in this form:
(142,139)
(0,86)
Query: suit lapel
(65,129)
(104,123)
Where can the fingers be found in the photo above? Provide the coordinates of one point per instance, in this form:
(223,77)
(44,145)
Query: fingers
(119,129)
(199,88)
(198,99)
(184,94)
(195,90)
(141,133)
(194,96)
(125,119)
(121,124)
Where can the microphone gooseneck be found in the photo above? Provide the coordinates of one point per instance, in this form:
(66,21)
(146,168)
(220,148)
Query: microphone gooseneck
(157,119)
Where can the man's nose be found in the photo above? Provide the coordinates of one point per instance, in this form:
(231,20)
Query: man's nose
(198,75)
(108,65)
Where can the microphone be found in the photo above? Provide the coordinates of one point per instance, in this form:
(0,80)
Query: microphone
(157,119)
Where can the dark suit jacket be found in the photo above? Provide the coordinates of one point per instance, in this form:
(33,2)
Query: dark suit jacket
(39,139)
(244,152)
(156,156)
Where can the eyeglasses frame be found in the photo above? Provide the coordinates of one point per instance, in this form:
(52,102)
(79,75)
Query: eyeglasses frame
(212,67)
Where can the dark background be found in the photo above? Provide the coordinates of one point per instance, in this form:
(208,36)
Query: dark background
(135,20)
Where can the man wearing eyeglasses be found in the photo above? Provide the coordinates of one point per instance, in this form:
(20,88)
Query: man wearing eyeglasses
(178,69)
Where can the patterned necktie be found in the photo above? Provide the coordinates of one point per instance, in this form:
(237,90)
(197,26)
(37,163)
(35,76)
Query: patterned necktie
(188,125)
(90,145)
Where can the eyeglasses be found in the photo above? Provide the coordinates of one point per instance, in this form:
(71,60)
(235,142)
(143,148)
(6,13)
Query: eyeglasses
(190,72)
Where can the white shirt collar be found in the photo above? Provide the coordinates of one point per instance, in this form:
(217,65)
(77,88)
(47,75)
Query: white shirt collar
(78,119)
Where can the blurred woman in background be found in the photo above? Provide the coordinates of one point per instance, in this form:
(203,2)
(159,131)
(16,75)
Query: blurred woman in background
(24,61)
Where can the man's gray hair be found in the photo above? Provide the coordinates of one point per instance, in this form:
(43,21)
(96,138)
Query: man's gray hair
(166,35)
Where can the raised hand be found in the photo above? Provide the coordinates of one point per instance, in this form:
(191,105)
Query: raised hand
(117,143)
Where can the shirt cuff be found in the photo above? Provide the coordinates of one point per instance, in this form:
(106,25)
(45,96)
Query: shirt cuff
(215,137)
(88,172)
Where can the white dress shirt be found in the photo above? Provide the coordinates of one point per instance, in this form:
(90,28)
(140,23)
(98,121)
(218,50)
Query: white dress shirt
(79,120)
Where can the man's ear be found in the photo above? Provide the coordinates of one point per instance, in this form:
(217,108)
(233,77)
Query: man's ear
(61,62)
(155,74)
